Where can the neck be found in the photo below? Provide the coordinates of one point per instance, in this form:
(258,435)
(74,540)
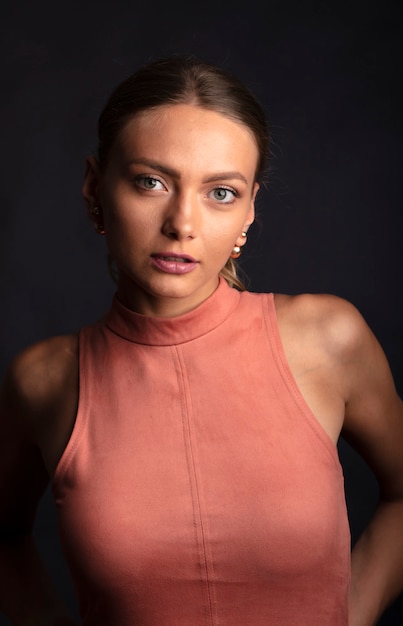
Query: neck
(160,305)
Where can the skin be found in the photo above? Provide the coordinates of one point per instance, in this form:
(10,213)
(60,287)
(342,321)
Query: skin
(156,197)
(181,212)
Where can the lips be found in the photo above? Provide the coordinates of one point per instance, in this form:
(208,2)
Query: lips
(177,258)
(174,263)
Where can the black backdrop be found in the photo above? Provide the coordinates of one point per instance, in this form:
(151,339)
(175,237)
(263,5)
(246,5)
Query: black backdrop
(329,77)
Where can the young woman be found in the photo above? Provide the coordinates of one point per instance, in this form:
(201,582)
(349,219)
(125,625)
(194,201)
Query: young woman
(190,434)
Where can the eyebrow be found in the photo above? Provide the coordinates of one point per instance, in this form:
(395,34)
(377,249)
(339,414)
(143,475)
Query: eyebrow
(175,174)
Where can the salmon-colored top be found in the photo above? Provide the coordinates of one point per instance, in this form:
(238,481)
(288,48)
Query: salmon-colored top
(197,488)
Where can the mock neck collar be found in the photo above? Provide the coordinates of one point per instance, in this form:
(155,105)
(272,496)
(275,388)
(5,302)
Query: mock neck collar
(165,331)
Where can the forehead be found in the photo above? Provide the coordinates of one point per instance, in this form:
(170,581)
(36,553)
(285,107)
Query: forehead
(184,131)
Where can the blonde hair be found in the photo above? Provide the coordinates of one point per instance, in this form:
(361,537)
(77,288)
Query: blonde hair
(230,272)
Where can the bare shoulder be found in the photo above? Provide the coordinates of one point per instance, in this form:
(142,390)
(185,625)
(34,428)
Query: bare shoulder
(333,322)
(320,334)
(331,347)
(37,375)
(40,394)
(332,329)
(38,403)
(336,327)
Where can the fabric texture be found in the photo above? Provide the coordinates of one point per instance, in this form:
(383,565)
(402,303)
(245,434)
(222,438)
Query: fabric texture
(197,488)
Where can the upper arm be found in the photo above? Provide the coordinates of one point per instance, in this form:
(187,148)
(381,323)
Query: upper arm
(23,476)
(38,400)
(373,422)
(345,378)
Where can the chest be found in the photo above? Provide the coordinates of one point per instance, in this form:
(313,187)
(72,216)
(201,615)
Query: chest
(197,455)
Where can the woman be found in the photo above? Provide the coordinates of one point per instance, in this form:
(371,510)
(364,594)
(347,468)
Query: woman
(190,434)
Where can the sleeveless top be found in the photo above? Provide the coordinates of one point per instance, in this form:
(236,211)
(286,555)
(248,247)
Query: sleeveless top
(197,488)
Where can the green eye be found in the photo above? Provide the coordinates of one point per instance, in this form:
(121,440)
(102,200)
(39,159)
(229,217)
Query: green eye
(148,182)
(224,195)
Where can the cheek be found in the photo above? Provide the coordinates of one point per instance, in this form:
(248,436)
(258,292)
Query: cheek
(226,229)
(128,218)
(221,243)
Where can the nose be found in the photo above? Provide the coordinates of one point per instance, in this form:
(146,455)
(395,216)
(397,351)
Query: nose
(182,217)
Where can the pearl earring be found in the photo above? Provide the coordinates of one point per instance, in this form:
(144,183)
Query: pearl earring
(98,226)
(236,252)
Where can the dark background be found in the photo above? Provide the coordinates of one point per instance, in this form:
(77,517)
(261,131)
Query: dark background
(329,77)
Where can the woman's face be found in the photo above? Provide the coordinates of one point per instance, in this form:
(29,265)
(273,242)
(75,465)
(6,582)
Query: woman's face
(175,196)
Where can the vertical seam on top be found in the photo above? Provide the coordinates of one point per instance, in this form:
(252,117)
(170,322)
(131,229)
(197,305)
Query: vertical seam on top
(194,486)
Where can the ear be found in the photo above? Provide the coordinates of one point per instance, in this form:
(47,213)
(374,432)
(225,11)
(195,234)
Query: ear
(250,217)
(90,188)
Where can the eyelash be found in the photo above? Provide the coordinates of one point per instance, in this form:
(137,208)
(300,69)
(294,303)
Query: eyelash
(230,189)
(143,177)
